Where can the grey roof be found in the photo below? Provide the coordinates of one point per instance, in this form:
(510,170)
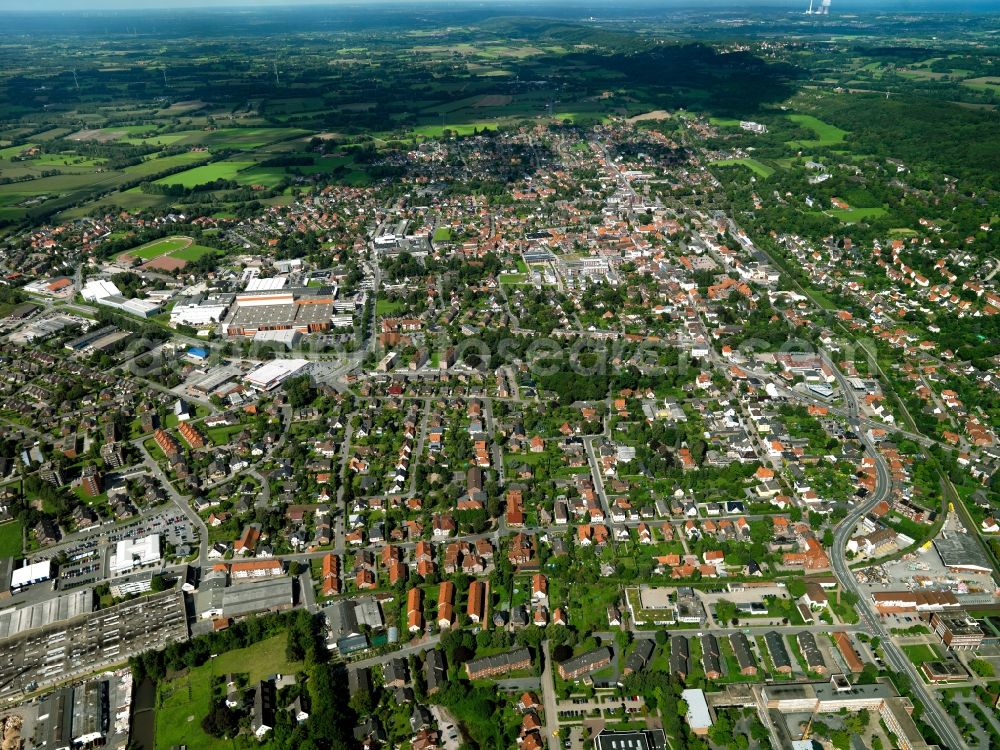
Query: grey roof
(342,619)
(679,654)
(495,661)
(776,647)
(395,669)
(710,654)
(258,596)
(588,660)
(741,649)
(264,700)
(640,655)
(810,651)
(961,550)
(434,670)
(358,680)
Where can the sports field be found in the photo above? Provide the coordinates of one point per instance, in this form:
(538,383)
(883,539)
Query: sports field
(168,254)
(159,247)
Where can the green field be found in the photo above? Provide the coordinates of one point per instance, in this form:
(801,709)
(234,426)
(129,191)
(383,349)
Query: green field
(922,653)
(387,307)
(759,169)
(436,131)
(442,234)
(851,215)
(184,700)
(10,539)
(827,134)
(191,252)
(159,247)
(220,170)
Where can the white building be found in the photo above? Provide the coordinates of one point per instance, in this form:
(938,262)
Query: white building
(698,716)
(29,574)
(200,314)
(269,376)
(135,553)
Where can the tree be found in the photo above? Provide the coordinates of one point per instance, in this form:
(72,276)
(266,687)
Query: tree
(796,587)
(725,611)
(221,721)
(363,702)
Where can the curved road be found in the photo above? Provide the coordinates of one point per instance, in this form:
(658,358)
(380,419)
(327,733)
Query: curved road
(933,714)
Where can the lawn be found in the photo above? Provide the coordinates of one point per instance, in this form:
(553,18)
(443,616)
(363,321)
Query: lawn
(759,169)
(922,653)
(222,435)
(387,307)
(10,539)
(827,134)
(442,234)
(190,694)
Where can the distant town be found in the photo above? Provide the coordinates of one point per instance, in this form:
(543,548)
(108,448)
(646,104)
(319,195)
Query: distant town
(637,431)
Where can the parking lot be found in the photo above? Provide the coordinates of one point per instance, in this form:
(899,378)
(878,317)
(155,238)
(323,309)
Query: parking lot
(87,558)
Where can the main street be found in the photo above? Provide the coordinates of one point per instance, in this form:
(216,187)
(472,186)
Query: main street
(933,714)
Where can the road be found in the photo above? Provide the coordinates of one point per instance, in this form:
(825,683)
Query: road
(595,468)
(425,644)
(933,714)
(181,502)
(549,699)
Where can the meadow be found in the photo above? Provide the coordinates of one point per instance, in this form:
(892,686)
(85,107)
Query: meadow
(759,169)
(183,700)
(827,134)
(10,539)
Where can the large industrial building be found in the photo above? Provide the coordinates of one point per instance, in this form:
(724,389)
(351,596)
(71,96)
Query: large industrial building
(103,292)
(75,716)
(200,310)
(17,620)
(303,309)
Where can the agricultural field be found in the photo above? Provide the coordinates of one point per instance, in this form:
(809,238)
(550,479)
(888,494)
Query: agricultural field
(220,170)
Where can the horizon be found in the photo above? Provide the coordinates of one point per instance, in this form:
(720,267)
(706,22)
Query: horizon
(593,8)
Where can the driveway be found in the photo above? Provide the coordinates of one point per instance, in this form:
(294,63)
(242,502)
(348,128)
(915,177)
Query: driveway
(451,736)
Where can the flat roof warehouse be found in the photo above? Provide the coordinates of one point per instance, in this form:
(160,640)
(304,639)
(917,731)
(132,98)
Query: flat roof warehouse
(306,310)
(269,376)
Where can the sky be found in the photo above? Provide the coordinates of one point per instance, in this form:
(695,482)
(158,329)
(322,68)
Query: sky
(537,6)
